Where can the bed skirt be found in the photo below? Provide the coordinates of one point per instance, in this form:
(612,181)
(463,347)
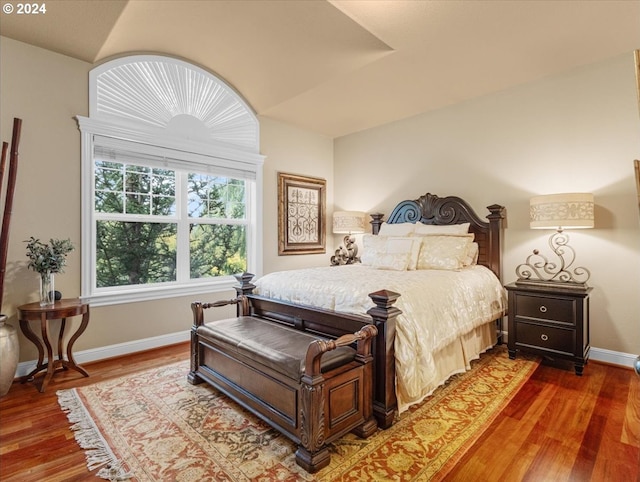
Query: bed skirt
(456,357)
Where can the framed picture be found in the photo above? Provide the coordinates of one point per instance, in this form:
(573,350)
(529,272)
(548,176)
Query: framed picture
(301,214)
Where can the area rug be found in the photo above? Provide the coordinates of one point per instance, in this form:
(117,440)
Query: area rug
(155,426)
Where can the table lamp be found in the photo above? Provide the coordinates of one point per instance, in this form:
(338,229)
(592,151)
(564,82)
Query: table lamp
(559,212)
(349,222)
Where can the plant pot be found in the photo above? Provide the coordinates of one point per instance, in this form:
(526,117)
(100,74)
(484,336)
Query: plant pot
(9,353)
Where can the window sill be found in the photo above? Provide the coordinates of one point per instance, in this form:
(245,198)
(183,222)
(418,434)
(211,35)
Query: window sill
(118,297)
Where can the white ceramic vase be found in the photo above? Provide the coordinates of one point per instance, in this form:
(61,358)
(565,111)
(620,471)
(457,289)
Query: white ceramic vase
(9,354)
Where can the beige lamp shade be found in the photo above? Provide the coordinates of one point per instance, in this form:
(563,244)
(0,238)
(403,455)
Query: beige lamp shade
(569,210)
(349,222)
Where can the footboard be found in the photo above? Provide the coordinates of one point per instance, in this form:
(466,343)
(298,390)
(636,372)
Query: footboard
(334,324)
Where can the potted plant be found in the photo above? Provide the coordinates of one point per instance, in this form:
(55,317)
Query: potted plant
(48,259)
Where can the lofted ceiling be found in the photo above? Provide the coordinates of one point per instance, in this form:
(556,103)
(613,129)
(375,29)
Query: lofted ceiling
(340,66)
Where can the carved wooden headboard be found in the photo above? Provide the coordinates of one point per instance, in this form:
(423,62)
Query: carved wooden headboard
(431,209)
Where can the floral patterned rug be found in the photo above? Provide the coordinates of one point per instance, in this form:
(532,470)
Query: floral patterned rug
(155,426)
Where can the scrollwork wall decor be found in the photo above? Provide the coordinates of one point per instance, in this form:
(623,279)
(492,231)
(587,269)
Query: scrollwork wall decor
(301,214)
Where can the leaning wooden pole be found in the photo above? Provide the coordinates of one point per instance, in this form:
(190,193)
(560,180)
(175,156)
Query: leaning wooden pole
(3,163)
(8,204)
(3,238)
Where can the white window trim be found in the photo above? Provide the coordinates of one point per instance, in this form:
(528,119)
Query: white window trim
(119,127)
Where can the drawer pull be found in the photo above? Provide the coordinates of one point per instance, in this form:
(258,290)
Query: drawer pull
(543,309)
(544,337)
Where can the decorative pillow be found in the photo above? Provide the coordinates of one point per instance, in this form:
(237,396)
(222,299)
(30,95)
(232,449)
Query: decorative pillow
(401,229)
(421,229)
(415,253)
(372,247)
(471,258)
(444,251)
(390,252)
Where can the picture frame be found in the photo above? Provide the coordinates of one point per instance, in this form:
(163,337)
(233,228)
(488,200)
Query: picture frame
(301,214)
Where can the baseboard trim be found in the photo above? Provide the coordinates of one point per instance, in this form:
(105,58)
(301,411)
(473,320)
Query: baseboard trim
(612,357)
(95,354)
(104,352)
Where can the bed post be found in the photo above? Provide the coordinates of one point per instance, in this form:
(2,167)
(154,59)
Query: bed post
(245,288)
(495,218)
(384,316)
(376,222)
(198,320)
(496,230)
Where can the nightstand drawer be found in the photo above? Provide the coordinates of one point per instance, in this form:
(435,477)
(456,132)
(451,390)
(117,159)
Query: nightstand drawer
(546,338)
(545,308)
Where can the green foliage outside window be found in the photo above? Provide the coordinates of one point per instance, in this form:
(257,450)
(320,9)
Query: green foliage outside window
(217,250)
(135,252)
(129,253)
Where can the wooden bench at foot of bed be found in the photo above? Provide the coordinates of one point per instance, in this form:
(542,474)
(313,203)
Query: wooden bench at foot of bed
(311,389)
(327,323)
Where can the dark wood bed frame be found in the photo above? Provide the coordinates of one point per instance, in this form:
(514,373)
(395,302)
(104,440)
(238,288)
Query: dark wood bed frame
(428,209)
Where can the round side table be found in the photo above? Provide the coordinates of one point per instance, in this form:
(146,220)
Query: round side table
(60,310)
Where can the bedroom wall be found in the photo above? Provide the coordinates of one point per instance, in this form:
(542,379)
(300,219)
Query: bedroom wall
(575,132)
(46,90)
(293,151)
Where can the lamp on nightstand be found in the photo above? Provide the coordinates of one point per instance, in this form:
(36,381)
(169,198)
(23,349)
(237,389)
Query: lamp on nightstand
(557,211)
(349,222)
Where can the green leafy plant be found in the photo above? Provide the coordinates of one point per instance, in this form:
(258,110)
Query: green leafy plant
(48,257)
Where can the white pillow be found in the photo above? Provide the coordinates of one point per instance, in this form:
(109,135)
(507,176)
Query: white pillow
(372,247)
(401,229)
(444,251)
(415,253)
(390,252)
(471,258)
(421,229)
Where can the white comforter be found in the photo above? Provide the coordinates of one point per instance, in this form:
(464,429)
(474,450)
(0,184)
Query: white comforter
(437,306)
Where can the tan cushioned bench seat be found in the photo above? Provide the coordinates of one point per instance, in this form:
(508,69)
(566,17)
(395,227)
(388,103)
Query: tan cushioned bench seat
(278,347)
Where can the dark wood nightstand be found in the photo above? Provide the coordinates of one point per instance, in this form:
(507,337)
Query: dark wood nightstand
(549,320)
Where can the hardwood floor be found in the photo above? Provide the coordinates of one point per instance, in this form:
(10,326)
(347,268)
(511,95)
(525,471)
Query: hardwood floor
(36,443)
(559,427)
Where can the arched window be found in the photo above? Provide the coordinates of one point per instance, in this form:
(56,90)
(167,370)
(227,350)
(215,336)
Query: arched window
(171,178)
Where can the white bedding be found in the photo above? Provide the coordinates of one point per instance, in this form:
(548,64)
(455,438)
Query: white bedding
(438,306)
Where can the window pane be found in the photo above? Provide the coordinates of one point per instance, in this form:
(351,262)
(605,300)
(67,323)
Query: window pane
(163,192)
(138,204)
(109,185)
(137,181)
(216,197)
(163,182)
(131,189)
(109,176)
(163,205)
(217,250)
(109,202)
(129,253)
